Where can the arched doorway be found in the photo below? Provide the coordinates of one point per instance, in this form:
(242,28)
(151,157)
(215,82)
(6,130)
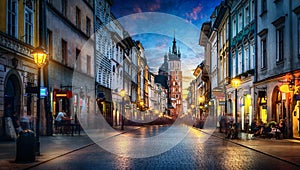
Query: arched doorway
(278,105)
(12,95)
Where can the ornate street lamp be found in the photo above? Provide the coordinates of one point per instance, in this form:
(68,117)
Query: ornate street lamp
(235,83)
(39,56)
(123,94)
(201,99)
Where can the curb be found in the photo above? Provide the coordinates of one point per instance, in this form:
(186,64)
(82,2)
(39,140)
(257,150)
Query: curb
(237,143)
(79,148)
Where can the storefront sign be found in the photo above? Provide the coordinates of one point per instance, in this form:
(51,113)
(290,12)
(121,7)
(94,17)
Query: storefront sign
(222,103)
(34,90)
(64,94)
(43,92)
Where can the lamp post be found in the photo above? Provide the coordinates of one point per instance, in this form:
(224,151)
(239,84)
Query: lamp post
(235,83)
(193,111)
(122,94)
(201,101)
(39,56)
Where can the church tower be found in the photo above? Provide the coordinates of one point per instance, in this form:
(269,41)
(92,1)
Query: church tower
(175,79)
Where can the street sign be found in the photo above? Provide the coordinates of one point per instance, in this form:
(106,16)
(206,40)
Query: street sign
(34,90)
(31,90)
(44,92)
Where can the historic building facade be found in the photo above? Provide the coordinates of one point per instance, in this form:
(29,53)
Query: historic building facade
(259,46)
(19,34)
(277,80)
(71,57)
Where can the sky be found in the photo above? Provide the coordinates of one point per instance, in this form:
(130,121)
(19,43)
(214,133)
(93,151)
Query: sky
(156,22)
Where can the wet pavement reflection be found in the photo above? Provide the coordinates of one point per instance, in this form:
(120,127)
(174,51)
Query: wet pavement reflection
(190,153)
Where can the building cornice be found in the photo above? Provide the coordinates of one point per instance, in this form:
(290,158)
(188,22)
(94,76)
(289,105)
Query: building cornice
(15,46)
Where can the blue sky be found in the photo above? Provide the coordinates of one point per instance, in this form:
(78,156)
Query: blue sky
(154,22)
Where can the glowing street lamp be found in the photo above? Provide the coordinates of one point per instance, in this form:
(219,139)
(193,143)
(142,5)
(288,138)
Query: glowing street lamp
(235,83)
(39,56)
(141,103)
(201,99)
(123,94)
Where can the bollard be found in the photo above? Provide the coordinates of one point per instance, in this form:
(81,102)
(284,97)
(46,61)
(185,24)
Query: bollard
(25,146)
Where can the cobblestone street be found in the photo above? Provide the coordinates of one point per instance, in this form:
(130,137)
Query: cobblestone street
(190,153)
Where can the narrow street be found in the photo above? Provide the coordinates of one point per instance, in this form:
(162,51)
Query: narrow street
(191,153)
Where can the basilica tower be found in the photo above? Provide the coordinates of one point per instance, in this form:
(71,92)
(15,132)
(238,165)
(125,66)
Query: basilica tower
(175,79)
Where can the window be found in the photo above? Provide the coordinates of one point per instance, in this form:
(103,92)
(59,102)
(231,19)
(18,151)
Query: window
(50,45)
(246,58)
(252,53)
(64,52)
(263,6)
(279,44)
(88,61)
(78,59)
(78,18)
(234,27)
(64,7)
(247,16)
(233,64)
(114,69)
(28,26)
(240,26)
(252,10)
(88,26)
(12,18)
(240,62)
(264,52)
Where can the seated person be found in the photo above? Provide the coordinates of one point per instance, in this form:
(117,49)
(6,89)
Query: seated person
(61,116)
(59,121)
(255,129)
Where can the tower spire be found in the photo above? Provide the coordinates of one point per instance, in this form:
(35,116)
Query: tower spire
(174,50)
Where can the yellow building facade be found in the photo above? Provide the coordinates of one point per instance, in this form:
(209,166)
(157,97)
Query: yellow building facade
(19,35)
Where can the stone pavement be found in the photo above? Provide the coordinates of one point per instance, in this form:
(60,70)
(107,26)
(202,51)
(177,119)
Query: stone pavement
(59,145)
(287,150)
(51,147)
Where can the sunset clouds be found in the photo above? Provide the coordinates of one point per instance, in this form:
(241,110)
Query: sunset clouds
(193,15)
(153,22)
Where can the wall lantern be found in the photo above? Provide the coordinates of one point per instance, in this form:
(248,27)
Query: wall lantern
(39,56)
(286,88)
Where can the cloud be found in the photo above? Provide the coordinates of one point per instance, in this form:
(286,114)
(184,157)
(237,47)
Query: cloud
(163,45)
(137,9)
(154,7)
(193,15)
